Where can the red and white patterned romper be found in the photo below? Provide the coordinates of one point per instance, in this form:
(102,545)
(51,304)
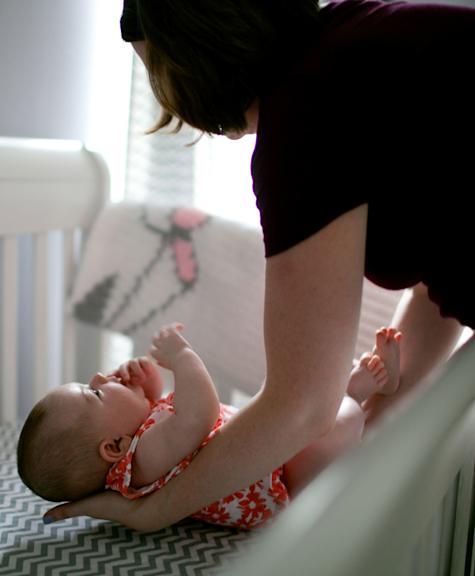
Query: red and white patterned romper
(246,509)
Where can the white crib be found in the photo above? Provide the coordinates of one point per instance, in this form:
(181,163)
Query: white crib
(50,192)
(403,504)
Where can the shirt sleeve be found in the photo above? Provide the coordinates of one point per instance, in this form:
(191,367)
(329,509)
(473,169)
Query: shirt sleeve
(352,123)
(130,23)
(305,166)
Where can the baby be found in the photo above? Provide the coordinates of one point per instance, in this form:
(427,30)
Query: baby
(120,433)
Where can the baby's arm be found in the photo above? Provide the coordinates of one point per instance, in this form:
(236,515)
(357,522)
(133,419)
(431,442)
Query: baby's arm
(196,400)
(196,406)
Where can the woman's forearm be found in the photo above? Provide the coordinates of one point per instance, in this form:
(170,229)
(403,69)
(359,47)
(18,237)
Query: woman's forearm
(310,329)
(238,456)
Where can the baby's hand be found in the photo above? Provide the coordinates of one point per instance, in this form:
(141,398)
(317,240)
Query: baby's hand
(136,372)
(168,345)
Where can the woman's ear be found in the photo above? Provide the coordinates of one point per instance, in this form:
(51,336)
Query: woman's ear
(112,450)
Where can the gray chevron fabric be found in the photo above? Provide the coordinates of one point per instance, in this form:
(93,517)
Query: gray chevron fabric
(87,547)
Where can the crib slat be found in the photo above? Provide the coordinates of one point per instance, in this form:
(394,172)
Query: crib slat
(69,332)
(447,516)
(41,319)
(472,563)
(9,382)
(432,542)
(462,518)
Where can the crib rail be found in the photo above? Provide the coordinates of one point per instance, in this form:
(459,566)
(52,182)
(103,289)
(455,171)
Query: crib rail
(50,193)
(403,505)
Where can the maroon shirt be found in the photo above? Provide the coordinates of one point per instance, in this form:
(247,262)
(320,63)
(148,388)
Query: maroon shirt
(380,111)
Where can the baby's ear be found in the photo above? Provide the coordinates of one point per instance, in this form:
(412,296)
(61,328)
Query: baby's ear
(112,450)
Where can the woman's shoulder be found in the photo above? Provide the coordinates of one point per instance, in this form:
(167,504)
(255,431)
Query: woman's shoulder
(362,16)
(353,33)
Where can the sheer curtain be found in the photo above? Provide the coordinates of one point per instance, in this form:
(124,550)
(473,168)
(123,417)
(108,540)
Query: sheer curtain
(213,175)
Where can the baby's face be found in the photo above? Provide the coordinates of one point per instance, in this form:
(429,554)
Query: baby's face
(113,408)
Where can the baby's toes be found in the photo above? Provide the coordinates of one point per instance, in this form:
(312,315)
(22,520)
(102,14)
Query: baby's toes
(394,334)
(383,330)
(381,338)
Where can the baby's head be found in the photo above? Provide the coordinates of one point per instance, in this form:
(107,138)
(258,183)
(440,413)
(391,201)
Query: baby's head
(75,433)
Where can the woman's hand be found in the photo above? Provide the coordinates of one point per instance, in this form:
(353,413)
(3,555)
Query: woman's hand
(107,505)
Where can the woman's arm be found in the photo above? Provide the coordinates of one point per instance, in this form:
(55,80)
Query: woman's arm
(312,307)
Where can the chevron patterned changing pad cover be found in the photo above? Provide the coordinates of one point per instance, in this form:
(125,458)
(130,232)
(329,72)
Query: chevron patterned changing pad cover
(88,547)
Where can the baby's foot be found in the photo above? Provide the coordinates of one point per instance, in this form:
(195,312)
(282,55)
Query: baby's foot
(369,376)
(388,349)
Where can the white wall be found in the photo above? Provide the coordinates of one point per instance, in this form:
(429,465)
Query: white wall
(65,73)
(45,58)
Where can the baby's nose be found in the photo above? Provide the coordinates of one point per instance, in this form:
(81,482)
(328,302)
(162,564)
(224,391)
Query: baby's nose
(98,379)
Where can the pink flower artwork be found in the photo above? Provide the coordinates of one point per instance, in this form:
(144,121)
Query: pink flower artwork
(188,218)
(187,266)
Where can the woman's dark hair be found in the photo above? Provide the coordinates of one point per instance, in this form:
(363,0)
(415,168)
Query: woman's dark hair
(208,60)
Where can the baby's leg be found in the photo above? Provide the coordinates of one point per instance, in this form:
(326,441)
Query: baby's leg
(300,470)
(377,372)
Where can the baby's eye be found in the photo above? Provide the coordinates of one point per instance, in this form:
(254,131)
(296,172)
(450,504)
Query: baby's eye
(96,392)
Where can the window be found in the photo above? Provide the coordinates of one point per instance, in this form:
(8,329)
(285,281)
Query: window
(213,175)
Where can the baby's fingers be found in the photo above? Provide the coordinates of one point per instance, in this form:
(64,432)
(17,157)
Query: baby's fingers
(156,352)
(124,371)
(169,328)
(146,365)
(113,374)
(135,369)
(153,350)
